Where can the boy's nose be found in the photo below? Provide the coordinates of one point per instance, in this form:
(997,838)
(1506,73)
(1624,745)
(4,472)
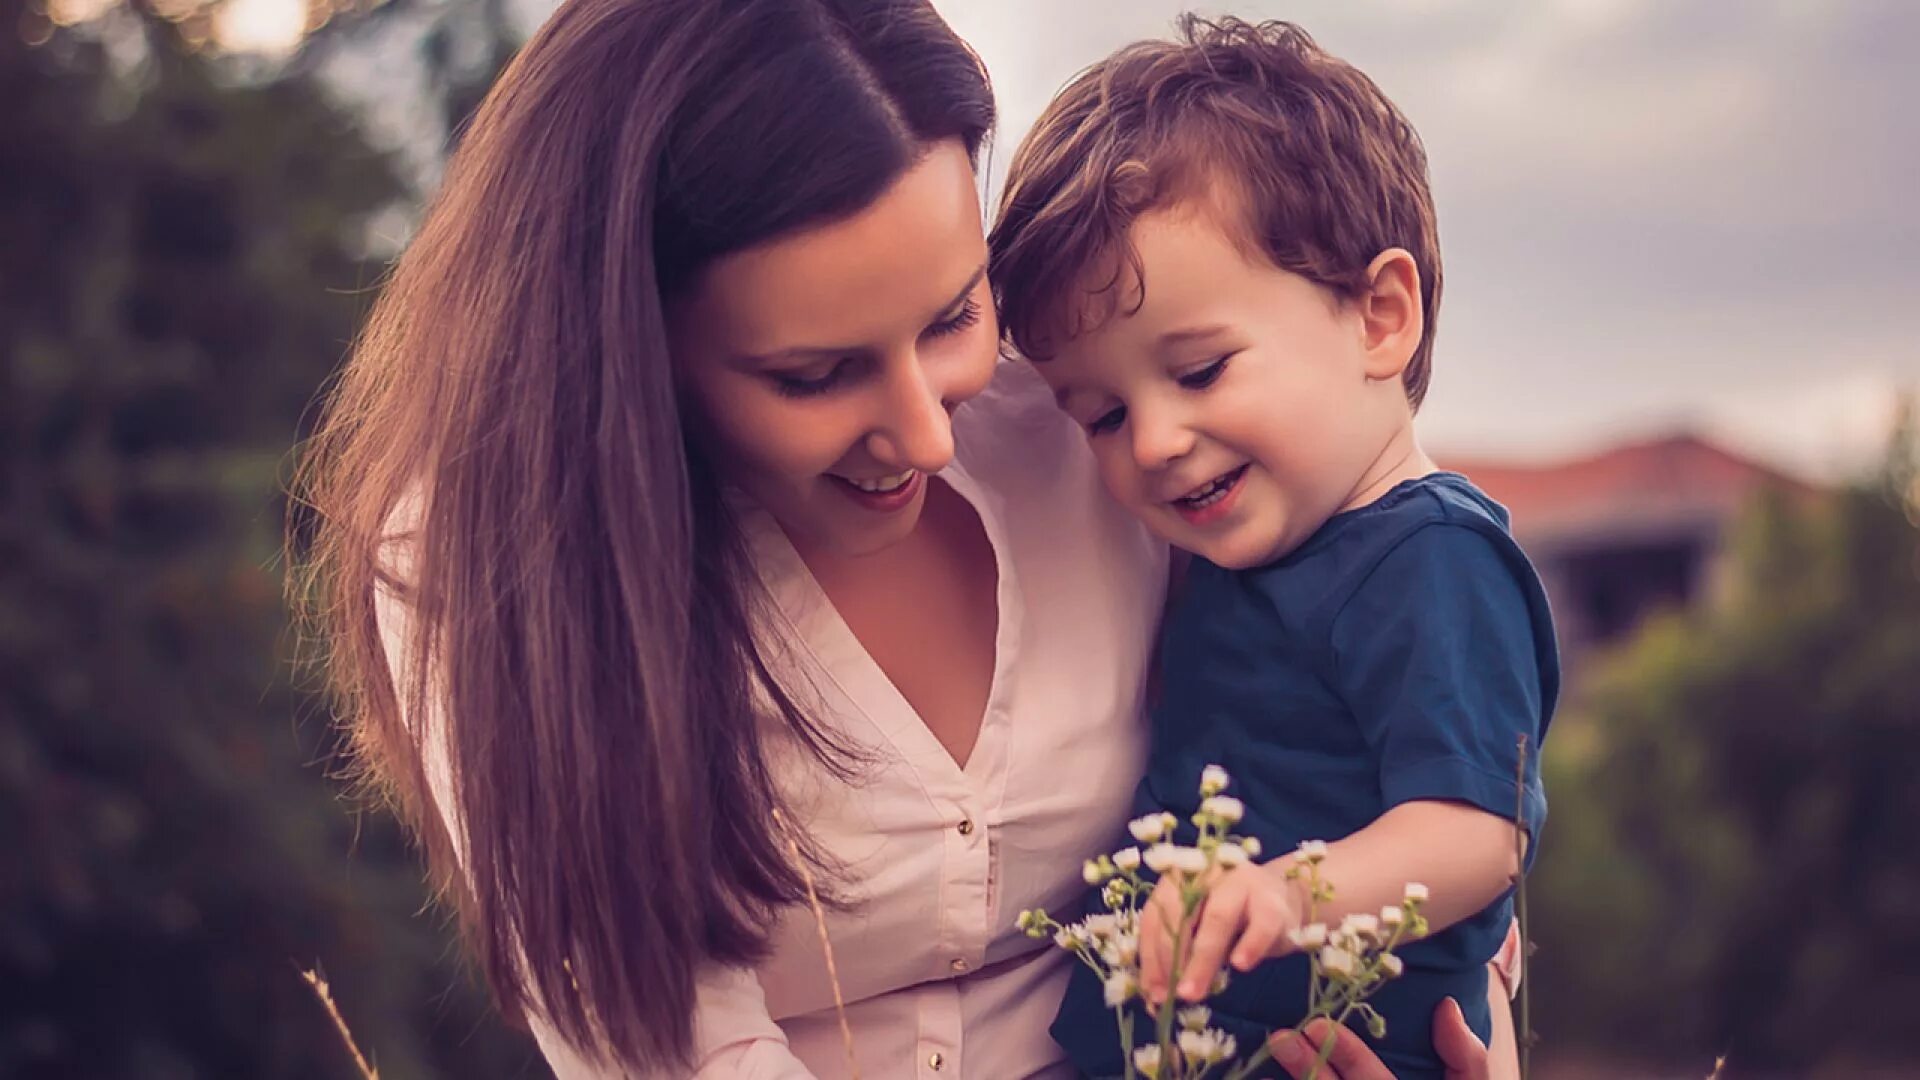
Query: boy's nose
(1159,442)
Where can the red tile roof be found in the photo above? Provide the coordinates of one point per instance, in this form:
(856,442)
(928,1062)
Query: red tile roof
(1681,480)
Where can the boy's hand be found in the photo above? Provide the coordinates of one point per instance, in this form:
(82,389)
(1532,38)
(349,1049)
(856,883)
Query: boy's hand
(1250,909)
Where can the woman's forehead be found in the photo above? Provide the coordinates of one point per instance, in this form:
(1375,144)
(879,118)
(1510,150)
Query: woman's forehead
(865,278)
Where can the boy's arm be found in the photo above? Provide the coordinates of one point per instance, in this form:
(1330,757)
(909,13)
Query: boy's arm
(1462,854)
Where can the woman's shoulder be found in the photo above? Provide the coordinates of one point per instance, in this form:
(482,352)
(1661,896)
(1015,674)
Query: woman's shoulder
(1013,430)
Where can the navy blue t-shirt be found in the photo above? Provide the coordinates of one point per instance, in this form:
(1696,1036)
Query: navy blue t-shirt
(1398,654)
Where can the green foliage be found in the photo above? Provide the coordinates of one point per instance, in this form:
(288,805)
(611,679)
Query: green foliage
(1732,864)
(179,271)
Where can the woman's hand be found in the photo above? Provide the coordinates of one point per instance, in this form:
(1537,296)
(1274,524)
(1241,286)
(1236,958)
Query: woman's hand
(1456,1044)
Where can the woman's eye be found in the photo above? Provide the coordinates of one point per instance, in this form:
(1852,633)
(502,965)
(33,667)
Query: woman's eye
(799,386)
(968,314)
(1201,378)
(1107,421)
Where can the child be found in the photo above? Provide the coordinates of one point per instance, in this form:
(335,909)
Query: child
(1221,253)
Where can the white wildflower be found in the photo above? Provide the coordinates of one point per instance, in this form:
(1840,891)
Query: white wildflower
(1392,965)
(1159,858)
(1231,855)
(1147,1060)
(1336,961)
(1213,780)
(1363,925)
(1120,987)
(1127,859)
(1312,851)
(1194,1017)
(1120,950)
(1392,916)
(1206,1047)
(1225,807)
(1101,926)
(1252,844)
(1416,892)
(1189,860)
(1310,936)
(1093,872)
(1149,828)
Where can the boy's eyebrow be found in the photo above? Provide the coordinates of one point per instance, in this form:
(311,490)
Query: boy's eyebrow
(807,352)
(1189,333)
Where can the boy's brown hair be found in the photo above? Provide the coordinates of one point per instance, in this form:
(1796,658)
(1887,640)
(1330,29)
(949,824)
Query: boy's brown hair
(1321,171)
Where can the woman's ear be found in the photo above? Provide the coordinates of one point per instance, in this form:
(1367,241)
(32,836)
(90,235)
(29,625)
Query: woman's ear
(1391,318)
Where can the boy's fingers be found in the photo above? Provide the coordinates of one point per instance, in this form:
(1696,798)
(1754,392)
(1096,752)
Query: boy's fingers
(1157,926)
(1219,924)
(1263,930)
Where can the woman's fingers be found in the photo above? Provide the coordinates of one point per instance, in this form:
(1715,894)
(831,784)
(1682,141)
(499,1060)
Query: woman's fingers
(1350,1058)
(1457,1045)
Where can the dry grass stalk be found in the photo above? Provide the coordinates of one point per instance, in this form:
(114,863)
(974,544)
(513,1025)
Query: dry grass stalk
(1526,1038)
(320,990)
(826,946)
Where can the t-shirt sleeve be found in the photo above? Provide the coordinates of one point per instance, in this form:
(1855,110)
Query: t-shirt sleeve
(1435,653)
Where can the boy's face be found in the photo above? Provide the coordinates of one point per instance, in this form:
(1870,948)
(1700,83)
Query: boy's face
(1242,405)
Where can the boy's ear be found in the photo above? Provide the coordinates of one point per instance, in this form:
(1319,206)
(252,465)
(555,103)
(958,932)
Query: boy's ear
(1390,313)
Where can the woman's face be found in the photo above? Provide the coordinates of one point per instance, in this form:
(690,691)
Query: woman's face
(823,364)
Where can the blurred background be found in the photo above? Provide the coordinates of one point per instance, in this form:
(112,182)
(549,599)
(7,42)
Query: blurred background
(1680,242)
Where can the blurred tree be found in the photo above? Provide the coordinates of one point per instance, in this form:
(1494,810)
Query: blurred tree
(180,267)
(1732,865)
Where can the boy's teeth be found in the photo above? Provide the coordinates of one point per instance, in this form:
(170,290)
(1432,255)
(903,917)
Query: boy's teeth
(1212,492)
(882,485)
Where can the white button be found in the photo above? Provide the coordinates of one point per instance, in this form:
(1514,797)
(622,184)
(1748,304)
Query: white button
(958,965)
(936,1062)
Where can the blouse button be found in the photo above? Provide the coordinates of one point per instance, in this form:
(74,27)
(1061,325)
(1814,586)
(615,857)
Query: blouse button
(965,827)
(936,1062)
(958,965)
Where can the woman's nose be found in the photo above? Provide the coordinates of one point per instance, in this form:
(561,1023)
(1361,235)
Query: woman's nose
(915,430)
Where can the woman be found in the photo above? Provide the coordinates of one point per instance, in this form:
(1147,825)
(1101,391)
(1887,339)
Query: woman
(678,550)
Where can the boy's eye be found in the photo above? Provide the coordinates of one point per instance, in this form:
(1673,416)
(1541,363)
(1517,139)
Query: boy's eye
(1201,378)
(793,384)
(1107,421)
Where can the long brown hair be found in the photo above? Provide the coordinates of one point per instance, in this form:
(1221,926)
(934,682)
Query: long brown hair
(579,599)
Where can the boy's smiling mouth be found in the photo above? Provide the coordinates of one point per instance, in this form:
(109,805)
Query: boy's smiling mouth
(1211,500)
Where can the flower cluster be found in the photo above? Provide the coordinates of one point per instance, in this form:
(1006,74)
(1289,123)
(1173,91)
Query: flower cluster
(1347,962)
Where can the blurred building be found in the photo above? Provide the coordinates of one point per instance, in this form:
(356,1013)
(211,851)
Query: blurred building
(1628,530)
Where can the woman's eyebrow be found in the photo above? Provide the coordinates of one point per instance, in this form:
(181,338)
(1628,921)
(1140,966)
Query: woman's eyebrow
(835,352)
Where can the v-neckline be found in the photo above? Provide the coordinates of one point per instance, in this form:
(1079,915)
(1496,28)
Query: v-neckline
(840,655)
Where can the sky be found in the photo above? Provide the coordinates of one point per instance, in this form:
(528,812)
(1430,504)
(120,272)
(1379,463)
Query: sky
(1655,215)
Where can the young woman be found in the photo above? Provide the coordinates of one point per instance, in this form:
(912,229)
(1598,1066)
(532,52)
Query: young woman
(678,543)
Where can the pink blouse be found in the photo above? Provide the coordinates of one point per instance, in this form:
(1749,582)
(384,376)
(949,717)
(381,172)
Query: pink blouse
(940,859)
